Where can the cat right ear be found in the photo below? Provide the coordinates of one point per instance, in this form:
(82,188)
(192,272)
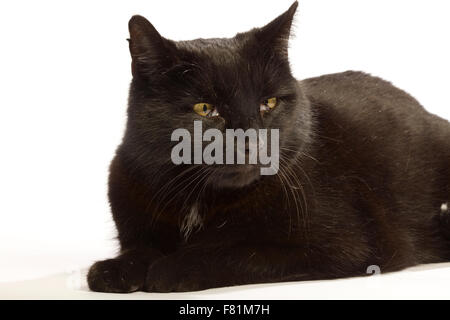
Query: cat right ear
(149,51)
(275,35)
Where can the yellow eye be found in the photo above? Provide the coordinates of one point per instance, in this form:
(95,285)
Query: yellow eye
(204,109)
(272,102)
(268,104)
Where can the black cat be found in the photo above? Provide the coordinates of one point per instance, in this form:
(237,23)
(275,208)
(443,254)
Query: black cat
(364,175)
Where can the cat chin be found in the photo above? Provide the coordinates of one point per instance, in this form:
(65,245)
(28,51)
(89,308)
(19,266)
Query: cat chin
(237,176)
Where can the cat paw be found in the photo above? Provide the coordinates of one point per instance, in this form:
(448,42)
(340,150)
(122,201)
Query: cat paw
(115,276)
(169,275)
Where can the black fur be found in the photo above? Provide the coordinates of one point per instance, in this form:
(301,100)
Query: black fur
(364,171)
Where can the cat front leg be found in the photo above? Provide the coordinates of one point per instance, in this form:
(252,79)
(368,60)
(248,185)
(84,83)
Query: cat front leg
(199,269)
(123,274)
(141,241)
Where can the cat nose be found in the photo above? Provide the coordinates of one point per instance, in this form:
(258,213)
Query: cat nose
(253,145)
(245,123)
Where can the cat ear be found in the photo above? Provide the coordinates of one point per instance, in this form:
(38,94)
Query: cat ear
(275,35)
(148,49)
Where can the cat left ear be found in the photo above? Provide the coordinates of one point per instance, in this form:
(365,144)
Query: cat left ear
(276,34)
(148,49)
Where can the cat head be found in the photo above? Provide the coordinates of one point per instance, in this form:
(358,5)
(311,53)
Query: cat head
(241,82)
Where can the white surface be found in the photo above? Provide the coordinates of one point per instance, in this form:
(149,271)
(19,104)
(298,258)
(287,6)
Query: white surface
(422,282)
(65,70)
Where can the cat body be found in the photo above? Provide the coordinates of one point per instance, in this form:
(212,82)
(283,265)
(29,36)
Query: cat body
(364,172)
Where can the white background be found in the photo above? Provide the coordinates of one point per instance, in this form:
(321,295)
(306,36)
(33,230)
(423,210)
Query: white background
(64,75)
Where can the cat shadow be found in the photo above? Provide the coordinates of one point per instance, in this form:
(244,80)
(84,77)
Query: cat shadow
(74,286)
(249,289)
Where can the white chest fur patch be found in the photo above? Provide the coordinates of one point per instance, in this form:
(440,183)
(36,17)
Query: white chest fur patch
(192,222)
(444,207)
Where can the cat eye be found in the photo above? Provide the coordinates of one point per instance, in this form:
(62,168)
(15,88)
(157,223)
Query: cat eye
(268,104)
(205,110)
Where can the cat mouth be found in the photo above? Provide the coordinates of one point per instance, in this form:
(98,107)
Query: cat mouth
(237,176)
(240,168)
